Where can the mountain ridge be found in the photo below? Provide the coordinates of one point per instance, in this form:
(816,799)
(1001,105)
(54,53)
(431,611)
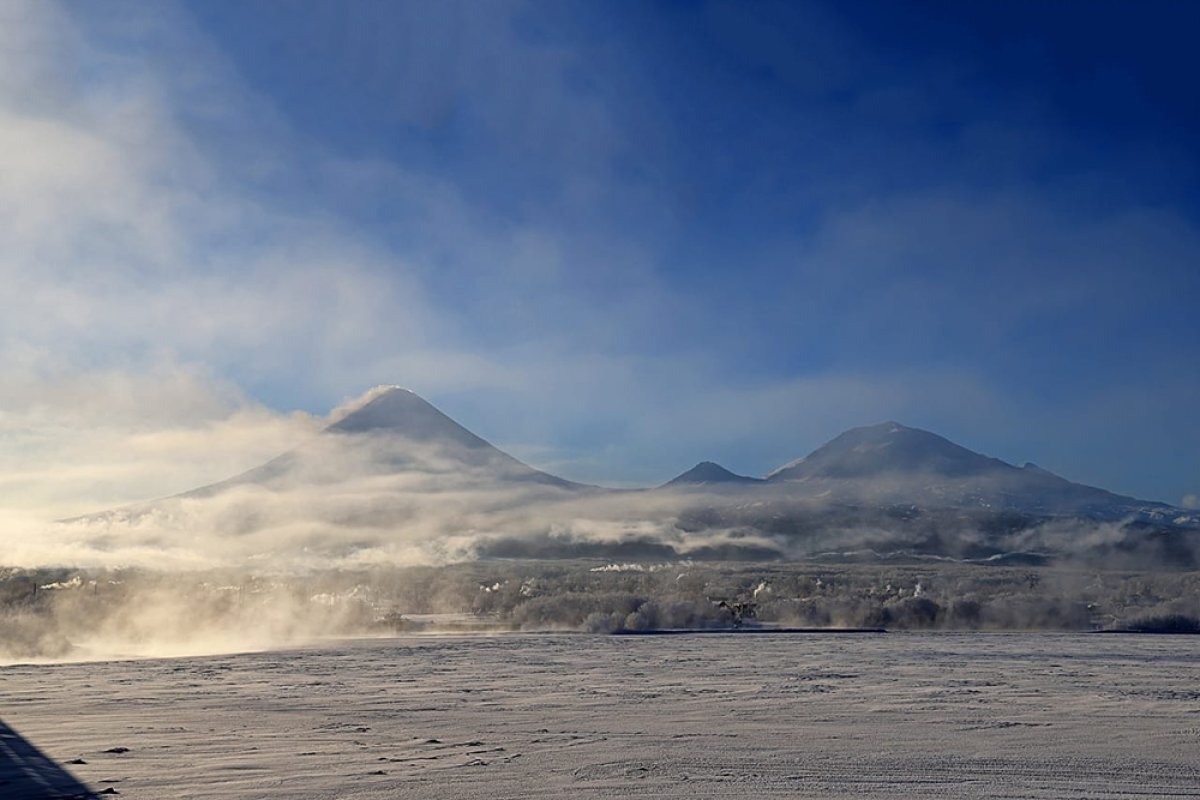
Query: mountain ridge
(401,418)
(877,488)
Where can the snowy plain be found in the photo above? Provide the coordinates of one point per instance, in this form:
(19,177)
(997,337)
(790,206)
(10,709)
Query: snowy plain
(589,716)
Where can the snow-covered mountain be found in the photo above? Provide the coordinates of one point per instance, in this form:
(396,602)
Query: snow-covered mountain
(892,463)
(379,465)
(393,431)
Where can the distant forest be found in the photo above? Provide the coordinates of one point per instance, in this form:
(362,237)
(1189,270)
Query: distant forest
(62,613)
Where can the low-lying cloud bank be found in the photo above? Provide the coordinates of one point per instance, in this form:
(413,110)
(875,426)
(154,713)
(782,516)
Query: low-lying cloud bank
(349,512)
(366,523)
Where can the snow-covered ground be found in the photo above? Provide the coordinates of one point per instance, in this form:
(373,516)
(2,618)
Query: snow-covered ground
(517,716)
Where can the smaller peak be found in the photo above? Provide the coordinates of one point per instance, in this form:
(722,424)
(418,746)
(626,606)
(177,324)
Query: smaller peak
(709,472)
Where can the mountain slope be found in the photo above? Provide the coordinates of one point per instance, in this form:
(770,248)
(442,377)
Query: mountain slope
(887,448)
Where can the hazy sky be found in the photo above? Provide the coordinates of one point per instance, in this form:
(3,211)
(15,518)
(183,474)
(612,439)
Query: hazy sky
(615,238)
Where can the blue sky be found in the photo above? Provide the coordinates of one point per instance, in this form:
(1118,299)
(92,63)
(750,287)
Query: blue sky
(614,237)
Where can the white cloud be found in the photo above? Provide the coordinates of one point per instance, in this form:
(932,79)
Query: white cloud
(127,236)
(77,442)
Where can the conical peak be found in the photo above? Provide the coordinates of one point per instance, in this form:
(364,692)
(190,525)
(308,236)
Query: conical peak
(709,472)
(393,410)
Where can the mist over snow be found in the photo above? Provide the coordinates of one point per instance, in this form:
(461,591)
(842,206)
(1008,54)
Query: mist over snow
(616,247)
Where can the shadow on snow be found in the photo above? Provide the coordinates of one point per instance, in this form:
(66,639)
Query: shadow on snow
(26,773)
